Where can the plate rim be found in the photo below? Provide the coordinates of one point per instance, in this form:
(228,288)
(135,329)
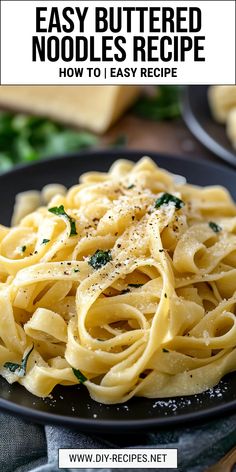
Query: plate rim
(120,153)
(113,425)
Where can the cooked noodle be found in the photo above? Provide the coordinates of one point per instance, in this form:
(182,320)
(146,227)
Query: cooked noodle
(126,283)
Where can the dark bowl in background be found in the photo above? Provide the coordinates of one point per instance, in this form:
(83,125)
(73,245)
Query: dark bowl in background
(197,116)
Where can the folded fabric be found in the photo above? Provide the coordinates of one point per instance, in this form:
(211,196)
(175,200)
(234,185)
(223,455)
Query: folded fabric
(27,447)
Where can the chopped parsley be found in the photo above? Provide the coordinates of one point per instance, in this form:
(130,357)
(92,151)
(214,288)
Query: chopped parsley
(81,377)
(26,138)
(19,369)
(76,270)
(45,241)
(167,198)
(135,285)
(100,258)
(60,211)
(165,350)
(215,227)
(23,248)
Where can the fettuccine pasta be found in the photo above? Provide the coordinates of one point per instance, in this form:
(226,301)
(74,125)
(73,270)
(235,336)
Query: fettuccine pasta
(126,283)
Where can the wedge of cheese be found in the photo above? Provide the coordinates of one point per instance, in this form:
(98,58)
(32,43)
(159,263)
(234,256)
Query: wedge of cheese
(222,98)
(93,107)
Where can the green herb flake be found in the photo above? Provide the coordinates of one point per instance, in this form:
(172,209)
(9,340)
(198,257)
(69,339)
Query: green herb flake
(215,227)
(76,270)
(45,241)
(100,258)
(23,248)
(135,285)
(167,198)
(24,139)
(163,104)
(81,377)
(130,186)
(165,350)
(60,211)
(19,369)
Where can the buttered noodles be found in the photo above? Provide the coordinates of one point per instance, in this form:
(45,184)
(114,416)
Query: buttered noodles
(127,283)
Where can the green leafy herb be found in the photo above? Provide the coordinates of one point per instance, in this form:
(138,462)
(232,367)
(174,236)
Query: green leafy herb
(5,162)
(167,198)
(25,139)
(67,141)
(60,211)
(215,227)
(165,350)
(164,104)
(130,187)
(45,241)
(19,369)
(100,258)
(76,270)
(11,366)
(135,285)
(23,248)
(81,377)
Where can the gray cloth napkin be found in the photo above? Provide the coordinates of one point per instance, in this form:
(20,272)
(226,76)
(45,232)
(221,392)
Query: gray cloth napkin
(27,447)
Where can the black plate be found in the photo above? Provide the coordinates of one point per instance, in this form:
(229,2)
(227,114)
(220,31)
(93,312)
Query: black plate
(72,406)
(198,118)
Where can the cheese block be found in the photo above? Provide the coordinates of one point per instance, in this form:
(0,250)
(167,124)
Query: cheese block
(231,126)
(222,98)
(93,107)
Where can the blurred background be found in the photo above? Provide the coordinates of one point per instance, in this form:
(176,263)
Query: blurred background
(37,122)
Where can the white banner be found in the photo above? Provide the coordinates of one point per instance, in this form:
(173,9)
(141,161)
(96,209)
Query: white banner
(117,42)
(151,458)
